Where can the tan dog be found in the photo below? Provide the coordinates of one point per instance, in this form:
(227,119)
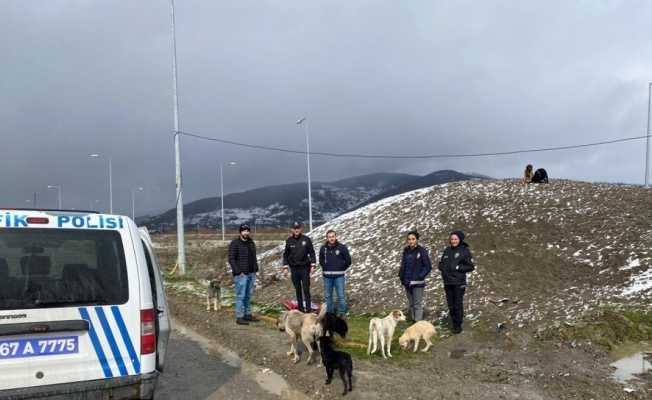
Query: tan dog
(304,326)
(382,329)
(420,330)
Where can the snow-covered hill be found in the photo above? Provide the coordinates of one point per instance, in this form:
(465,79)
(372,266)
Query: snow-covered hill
(551,250)
(280,205)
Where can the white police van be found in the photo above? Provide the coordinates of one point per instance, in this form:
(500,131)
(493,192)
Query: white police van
(83,313)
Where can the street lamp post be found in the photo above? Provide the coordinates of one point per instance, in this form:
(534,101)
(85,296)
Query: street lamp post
(647,141)
(58,187)
(95,155)
(181,242)
(230,164)
(303,121)
(133,201)
(93,205)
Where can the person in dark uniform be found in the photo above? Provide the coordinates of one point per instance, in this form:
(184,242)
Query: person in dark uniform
(334,259)
(456,261)
(415,267)
(299,260)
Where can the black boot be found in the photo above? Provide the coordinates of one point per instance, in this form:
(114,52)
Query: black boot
(250,318)
(241,321)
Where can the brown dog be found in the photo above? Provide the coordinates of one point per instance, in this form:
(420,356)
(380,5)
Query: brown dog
(214,291)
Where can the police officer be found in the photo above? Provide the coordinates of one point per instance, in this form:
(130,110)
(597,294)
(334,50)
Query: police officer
(456,261)
(334,259)
(299,260)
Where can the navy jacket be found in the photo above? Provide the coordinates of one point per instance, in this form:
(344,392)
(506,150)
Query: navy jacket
(334,260)
(415,266)
(455,263)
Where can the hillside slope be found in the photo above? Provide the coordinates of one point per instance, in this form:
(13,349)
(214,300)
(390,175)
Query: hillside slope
(553,250)
(279,205)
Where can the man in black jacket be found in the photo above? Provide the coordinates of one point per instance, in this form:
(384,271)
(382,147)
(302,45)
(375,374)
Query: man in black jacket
(334,259)
(455,263)
(244,265)
(299,259)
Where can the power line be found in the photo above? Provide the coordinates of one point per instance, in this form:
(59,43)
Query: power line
(426,156)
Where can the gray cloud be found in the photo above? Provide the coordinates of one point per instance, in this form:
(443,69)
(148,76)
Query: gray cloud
(79,77)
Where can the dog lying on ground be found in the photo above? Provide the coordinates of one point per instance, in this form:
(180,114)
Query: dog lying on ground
(333,324)
(336,360)
(301,326)
(382,329)
(420,330)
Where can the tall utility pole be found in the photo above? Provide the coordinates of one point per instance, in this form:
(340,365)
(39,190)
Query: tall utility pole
(181,243)
(133,201)
(60,197)
(222,198)
(303,121)
(647,141)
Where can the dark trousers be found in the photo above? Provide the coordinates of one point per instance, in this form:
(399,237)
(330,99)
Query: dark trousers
(455,300)
(301,282)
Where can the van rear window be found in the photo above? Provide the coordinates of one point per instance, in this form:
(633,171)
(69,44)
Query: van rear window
(46,268)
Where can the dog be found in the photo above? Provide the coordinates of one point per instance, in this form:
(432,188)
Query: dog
(214,294)
(383,330)
(333,324)
(302,326)
(339,360)
(420,330)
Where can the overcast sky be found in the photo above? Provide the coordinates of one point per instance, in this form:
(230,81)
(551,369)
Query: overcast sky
(372,76)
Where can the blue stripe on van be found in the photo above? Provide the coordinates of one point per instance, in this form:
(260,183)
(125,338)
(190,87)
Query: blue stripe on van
(96,343)
(126,338)
(112,343)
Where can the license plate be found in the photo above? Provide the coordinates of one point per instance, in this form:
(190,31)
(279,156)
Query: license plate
(20,348)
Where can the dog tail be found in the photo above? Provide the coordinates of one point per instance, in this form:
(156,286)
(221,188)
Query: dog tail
(322,312)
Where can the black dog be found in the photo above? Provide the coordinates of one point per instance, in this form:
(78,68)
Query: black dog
(339,360)
(334,324)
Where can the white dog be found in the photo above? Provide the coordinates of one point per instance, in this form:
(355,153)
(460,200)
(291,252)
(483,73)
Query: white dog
(420,330)
(383,330)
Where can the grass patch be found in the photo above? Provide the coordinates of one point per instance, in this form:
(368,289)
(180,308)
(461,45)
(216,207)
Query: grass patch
(608,328)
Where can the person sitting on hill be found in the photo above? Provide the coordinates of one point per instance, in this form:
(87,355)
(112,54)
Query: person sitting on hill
(540,176)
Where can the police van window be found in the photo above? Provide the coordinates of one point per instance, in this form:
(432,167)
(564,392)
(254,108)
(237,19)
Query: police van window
(41,268)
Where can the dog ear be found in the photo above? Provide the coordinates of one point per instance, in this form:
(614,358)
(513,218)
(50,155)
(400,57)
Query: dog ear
(396,314)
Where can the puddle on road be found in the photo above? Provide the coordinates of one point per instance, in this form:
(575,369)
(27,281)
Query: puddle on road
(636,361)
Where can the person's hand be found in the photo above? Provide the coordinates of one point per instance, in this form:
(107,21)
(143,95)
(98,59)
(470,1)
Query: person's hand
(286,271)
(242,274)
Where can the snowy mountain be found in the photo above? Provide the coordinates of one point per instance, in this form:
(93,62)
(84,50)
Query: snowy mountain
(543,252)
(280,205)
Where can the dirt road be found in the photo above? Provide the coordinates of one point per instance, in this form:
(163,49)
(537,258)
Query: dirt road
(197,368)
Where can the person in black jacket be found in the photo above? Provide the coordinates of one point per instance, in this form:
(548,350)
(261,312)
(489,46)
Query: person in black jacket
(455,263)
(244,265)
(334,259)
(299,259)
(415,267)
